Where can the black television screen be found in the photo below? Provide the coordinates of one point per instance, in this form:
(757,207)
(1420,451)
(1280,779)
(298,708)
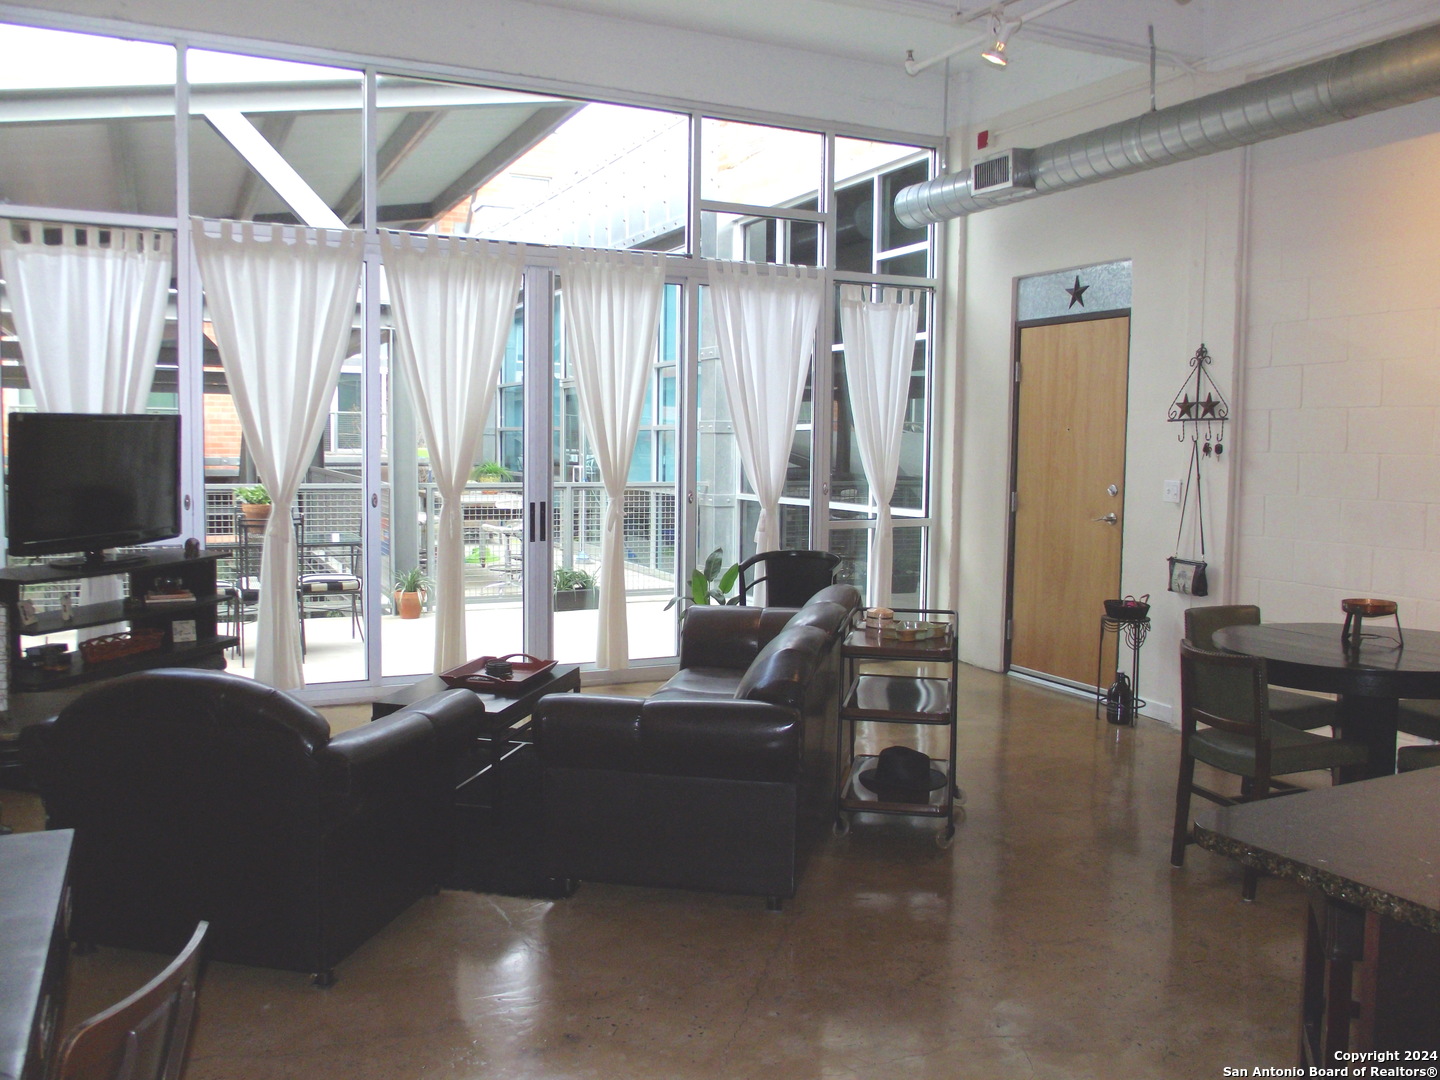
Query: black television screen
(84,482)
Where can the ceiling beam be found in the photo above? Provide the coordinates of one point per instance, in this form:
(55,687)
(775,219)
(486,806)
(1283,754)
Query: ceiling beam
(240,133)
(407,136)
(276,130)
(509,150)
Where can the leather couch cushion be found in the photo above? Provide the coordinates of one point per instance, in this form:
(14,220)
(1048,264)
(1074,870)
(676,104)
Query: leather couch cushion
(781,674)
(705,682)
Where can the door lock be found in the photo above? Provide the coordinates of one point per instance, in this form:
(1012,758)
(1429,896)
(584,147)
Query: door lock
(1112,491)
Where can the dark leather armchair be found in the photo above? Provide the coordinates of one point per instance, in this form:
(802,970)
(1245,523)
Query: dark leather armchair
(721,780)
(200,795)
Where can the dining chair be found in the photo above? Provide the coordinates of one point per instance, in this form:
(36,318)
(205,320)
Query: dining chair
(143,1037)
(1410,758)
(1225,723)
(792,575)
(1304,711)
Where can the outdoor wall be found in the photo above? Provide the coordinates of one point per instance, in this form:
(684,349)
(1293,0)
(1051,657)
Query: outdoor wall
(589,55)
(1340,475)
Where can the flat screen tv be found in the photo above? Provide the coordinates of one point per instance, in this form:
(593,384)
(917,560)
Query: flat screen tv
(85,482)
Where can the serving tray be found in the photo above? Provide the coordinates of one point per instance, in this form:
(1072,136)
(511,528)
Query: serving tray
(525,671)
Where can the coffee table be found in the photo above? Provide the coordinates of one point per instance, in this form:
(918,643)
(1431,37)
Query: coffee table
(496,788)
(506,717)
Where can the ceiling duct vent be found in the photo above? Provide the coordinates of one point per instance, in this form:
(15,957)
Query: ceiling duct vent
(1006,172)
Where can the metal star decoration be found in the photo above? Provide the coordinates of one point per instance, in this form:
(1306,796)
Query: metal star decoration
(1077,293)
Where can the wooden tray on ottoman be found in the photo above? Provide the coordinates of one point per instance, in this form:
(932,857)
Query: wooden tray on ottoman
(525,670)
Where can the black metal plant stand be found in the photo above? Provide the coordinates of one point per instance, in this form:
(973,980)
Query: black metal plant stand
(1132,633)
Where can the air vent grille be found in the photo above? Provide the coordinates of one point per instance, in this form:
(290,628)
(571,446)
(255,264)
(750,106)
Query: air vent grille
(1008,170)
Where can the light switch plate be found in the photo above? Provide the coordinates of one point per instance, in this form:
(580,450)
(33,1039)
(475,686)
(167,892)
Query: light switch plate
(1172,491)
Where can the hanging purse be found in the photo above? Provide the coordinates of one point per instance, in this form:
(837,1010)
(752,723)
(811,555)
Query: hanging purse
(1187,576)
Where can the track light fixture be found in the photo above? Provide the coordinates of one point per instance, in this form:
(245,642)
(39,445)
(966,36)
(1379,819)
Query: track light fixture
(1001,32)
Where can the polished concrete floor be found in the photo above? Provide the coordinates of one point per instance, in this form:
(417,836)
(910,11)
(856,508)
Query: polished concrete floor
(1052,939)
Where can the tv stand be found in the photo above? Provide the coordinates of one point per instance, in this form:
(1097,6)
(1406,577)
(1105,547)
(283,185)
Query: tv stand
(181,633)
(97,559)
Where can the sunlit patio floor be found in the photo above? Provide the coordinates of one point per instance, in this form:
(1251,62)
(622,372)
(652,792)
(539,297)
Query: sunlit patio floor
(335,655)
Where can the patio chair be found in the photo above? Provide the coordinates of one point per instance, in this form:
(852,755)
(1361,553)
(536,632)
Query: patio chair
(792,576)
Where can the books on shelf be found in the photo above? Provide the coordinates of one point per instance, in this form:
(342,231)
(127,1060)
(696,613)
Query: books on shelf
(175,596)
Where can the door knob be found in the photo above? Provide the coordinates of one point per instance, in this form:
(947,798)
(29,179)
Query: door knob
(1108,519)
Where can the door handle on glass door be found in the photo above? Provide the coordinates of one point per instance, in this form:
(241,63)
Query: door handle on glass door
(1108,519)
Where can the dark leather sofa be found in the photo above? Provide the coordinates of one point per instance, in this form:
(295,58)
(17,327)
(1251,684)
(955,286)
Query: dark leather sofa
(200,795)
(721,780)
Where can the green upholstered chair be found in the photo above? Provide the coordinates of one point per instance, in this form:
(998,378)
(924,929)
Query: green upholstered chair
(1225,722)
(1418,716)
(1409,758)
(1304,711)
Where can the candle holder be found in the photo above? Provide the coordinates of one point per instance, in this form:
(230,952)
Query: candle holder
(1358,609)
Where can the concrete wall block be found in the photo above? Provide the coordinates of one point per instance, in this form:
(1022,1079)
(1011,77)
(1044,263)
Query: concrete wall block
(1335,566)
(1277,301)
(1297,517)
(1412,380)
(1266,557)
(1406,573)
(1271,474)
(1409,478)
(1349,293)
(1399,430)
(1293,601)
(1308,430)
(1392,335)
(1274,387)
(1352,383)
(1321,341)
(1346,476)
(1383,524)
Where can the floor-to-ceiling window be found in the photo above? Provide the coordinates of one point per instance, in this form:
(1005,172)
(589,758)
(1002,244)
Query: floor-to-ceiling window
(270,139)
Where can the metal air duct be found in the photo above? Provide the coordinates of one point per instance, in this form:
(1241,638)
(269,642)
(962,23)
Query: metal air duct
(1380,76)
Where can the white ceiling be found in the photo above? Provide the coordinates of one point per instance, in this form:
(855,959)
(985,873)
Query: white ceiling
(1085,40)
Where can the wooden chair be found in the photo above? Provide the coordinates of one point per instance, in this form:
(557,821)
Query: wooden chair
(143,1037)
(792,575)
(1227,693)
(1304,711)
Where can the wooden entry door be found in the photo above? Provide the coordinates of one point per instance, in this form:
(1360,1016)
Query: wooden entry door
(1070,456)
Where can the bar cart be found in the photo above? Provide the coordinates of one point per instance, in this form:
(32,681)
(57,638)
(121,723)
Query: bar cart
(914,636)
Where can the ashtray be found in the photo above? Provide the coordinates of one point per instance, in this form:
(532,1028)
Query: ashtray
(499,669)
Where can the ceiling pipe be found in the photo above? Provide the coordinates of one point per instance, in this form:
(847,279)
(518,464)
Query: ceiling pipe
(1398,71)
(914,67)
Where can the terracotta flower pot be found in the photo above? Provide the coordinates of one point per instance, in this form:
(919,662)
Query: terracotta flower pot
(256,511)
(408,604)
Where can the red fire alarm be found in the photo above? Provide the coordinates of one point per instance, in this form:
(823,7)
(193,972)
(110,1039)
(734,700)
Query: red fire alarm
(982,140)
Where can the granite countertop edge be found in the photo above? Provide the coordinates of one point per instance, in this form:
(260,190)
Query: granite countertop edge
(1332,885)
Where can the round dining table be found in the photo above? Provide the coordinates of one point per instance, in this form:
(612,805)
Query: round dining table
(1369,679)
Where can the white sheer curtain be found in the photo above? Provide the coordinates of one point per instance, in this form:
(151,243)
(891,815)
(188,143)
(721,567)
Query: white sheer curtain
(765,317)
(454,301)
(282,302)
(612,302)
(89,312)
(879,340)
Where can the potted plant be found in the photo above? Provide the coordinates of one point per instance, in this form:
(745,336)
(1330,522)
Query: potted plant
(710,584)
(410,589)
(575,589)
(491,471)
(254,501)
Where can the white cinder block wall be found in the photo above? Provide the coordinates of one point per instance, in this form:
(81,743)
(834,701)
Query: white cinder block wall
(1339,484)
